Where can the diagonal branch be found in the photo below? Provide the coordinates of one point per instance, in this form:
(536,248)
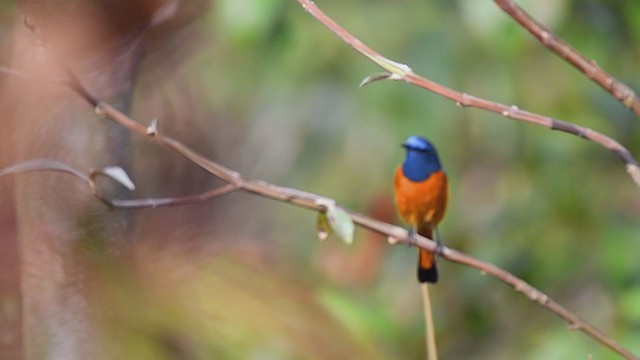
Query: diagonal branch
(316,202)
(403,72)
(590,68)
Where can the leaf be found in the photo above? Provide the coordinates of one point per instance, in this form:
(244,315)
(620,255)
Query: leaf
(336,221)
(117,174)
(43,165)
(375,77)
(322,226)
(341,224)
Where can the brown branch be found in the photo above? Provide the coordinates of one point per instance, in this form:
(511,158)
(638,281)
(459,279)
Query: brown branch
(50,165)
(590,68)
(158,202)
(403,72)
(315,202)
(397,71)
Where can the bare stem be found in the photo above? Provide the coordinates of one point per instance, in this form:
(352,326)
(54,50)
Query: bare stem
(590,68)
(403,72)
(314,202)
(158,202)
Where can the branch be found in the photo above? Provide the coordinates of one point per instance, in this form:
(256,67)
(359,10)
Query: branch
(318,203)
(119,175)
(178,201)
(590,68)
(315,202)
(159,202)
(397,71)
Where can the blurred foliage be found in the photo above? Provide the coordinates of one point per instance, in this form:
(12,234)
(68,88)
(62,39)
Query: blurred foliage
(265,89)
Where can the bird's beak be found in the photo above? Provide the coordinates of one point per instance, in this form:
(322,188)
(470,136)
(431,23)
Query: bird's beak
(404,145)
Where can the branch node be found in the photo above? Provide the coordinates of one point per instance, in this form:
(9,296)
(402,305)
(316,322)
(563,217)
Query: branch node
(152,129)
(629,99)
(392,240)
(542,299)
(510,111)
(100,109)
(546,38)
(464,100)
(574,327)
(325,204)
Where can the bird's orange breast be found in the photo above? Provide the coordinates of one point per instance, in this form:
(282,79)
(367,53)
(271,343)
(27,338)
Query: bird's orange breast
(421,203)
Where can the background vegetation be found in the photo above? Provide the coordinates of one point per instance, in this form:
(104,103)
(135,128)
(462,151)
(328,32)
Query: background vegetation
(263,88)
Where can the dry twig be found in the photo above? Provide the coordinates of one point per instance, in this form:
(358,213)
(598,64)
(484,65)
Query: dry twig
(317,203)
(590,68)
(397,71)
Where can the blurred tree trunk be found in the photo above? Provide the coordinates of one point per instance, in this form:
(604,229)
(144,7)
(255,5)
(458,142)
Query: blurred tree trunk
(60,224)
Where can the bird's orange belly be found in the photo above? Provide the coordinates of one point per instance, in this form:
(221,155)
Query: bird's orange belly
(421,203)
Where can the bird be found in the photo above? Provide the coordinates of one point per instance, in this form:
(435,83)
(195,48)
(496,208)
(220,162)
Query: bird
(421,196)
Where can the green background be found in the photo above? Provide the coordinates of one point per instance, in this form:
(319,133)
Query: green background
(262,87)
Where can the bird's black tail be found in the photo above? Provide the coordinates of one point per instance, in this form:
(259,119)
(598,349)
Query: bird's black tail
(427,269)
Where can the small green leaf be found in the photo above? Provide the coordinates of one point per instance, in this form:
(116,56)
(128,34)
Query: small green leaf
(375,77)
(335,220)
(322,226)
(341,224)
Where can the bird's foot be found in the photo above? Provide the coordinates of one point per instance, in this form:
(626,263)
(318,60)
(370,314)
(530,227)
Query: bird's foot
(411,235)
(439,248)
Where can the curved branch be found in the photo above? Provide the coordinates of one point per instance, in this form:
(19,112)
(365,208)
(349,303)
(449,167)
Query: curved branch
(403,72)
(315,202)
(590,68)
(51,165)
(158,202)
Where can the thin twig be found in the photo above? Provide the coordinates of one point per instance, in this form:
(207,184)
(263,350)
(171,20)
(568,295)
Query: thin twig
(590,68)
(403,72)
(315,202)
(52,165)
(161,202)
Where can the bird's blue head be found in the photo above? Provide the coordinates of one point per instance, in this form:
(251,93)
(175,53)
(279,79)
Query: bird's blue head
(421,160)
